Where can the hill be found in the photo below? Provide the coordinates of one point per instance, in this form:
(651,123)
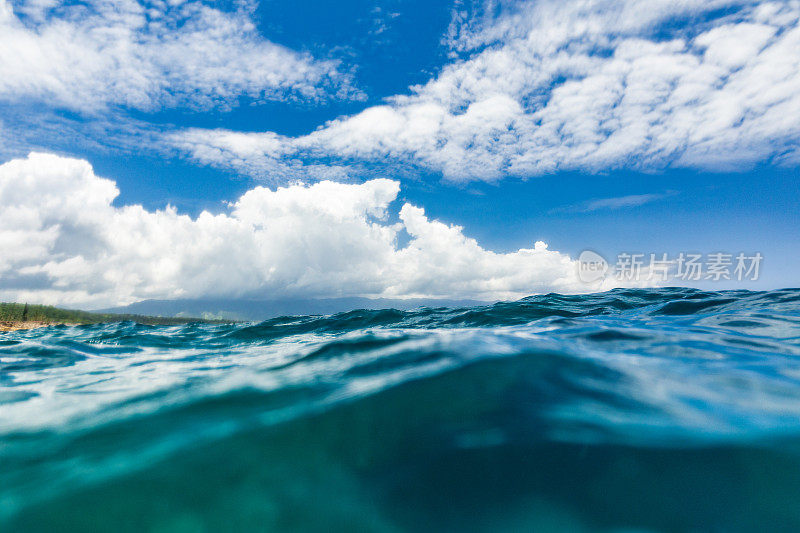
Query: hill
(255,310)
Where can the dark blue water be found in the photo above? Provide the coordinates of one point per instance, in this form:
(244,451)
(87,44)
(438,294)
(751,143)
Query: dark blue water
(646,410)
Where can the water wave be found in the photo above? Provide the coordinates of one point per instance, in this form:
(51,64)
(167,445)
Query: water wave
(663,409)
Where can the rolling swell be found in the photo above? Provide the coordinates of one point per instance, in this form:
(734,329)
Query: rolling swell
(664,410)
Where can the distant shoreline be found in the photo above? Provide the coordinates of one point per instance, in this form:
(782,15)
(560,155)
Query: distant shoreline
(16,317)
(16,325)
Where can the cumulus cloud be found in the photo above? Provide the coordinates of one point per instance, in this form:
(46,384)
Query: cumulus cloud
(87,56)
(64,242)
(551,85)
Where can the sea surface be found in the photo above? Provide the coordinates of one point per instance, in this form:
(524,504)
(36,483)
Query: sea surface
(631,410)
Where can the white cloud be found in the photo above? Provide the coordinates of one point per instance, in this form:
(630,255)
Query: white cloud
(552,85)
(65,243)
(617,202)
(149,55)
(632,200)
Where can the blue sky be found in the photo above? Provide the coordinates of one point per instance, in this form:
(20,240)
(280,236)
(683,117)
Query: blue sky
(613,126)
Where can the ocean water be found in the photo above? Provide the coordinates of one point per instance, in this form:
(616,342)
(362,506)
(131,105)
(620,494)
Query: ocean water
(632,410)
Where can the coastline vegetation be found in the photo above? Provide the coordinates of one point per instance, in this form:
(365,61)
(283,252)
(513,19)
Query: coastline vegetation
(24,316)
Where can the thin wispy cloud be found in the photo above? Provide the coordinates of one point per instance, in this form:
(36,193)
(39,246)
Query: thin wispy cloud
(618,202)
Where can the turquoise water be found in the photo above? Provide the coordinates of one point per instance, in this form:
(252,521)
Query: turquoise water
(645,410)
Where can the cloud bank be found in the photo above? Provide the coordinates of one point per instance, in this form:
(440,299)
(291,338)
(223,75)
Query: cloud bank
(551,85)
(148,56)
(65,243)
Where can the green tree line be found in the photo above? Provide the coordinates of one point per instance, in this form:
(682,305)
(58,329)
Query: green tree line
(15,312)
